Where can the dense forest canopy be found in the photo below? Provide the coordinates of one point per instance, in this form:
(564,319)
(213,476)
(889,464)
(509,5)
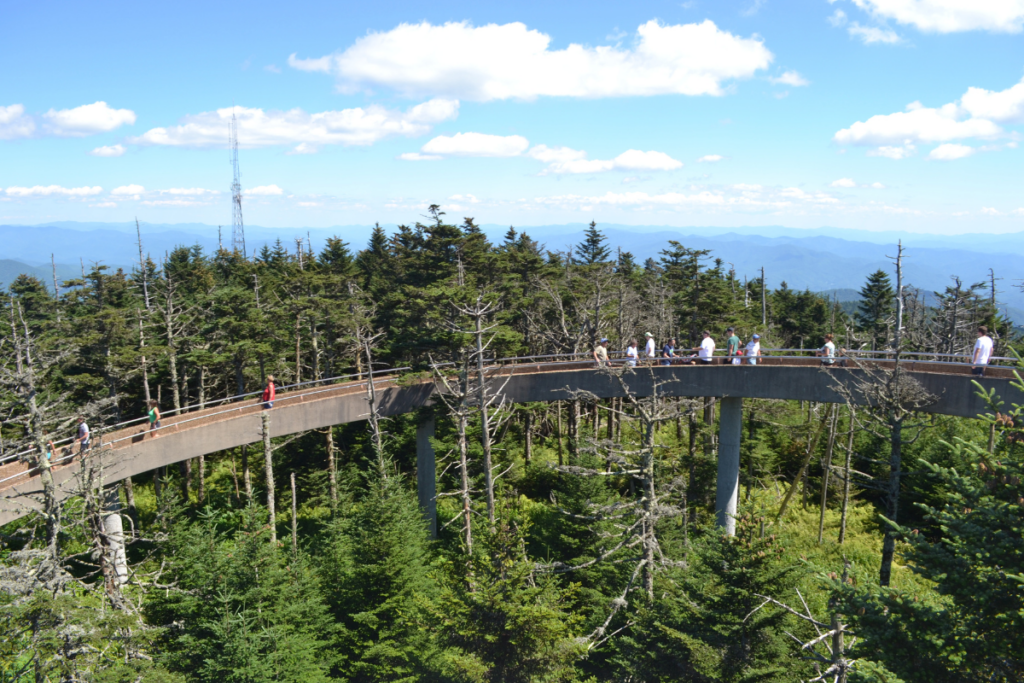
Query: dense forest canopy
(577,539)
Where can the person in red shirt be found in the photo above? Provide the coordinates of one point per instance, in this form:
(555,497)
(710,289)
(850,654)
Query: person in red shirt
(269,393)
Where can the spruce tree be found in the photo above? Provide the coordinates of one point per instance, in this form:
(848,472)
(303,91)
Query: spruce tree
(593,249)
(875,306)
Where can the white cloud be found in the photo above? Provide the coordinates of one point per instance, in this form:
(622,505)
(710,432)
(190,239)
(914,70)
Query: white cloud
(127,191)
(851,183)
(416,156)
(272,68)
(468,198)
(816,198)
(950,151)
(710,158)
(510,61)
(50,190)
(109,151)
(989,211)
(565,160)
(88,119)
(259,128)
(1004,106)
(303,148)
(14,124)
(889,152)
(918,124)
(870,35)
(264,191)
(189,191)
(950,16)
(476,145)
(790,78)
(309,204)
(104,205)
(171,202)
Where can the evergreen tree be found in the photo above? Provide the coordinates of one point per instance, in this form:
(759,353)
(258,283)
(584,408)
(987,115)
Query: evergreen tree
(376,581)
(875,306)
(593,249)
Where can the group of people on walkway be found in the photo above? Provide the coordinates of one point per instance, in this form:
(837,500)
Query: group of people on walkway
(671,354)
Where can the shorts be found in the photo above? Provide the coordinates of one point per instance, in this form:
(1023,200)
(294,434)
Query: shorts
(85,445)
(154,425)
(709,361)
(268,405)
(752,361)
(978,370)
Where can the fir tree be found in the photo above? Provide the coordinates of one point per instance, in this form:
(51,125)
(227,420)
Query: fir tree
(593,249)
(875,306)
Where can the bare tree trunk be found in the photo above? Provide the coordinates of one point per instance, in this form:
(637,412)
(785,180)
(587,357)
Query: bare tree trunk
(528,436)
(846,480)
(246,475)
(558,411)
(574,429)
(332,470)
(295,520)
(268,464)
(133,512)
(832,420)
(467,510)
(485,426)
(202,479)
(892,500)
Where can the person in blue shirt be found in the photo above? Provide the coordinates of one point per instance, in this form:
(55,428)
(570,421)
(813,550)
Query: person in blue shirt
(668,352)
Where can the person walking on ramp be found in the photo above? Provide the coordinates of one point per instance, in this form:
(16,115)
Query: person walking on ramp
(154,418)
(982,351)
(269,393)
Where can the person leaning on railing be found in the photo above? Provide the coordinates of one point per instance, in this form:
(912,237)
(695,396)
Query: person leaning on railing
(601,352)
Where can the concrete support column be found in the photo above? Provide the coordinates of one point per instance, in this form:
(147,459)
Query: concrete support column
(730,427)
(113,530)
(426,473)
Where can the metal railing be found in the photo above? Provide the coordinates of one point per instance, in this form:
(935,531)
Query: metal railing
(617,357)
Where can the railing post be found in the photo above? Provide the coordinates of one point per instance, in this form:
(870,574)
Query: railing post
(426,473)
(730,427)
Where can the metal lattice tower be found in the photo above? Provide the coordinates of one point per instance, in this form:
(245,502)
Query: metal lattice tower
(237,226)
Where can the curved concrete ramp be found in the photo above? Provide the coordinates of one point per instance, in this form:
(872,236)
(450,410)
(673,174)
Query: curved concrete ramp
(193,434)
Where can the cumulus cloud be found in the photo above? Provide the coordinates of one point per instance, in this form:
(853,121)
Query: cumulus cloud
(108,151)
(189,191)
(416,156)
(14,123)
(851,183)
(171,202)
(989,211)
(468,198)
(127,191)
(104,205)
(511,61)
(976,115)
(918,123)
(1004,106)
(710,158)
(950,152)
(738,197)
(893,152)
(564,160)
(259,128)
(264,191)
(88,119)
(950,16)
(50,190)
(476,145)
(869,35)
(790,78)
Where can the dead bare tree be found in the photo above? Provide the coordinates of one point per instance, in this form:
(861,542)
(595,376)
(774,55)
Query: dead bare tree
(635,522)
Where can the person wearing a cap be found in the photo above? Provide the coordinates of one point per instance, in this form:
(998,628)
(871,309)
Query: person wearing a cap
(753,349)
(649,349)
(732,346)
(601,352)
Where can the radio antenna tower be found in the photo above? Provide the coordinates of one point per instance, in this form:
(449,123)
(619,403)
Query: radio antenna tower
(237,227)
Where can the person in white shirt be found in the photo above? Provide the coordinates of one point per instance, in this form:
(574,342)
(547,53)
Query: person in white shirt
(82,437)
(827,353)
(632,353)
(649,349)
(753,349)
(982,351)
(706,350)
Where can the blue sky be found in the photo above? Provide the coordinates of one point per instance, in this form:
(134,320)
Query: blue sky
(872,114)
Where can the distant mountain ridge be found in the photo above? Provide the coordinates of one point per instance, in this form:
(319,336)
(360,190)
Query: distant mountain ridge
(819,260)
